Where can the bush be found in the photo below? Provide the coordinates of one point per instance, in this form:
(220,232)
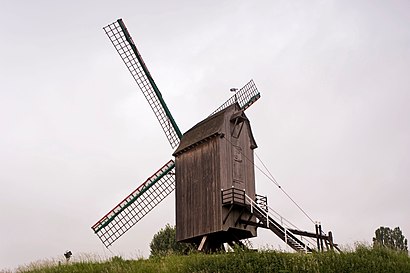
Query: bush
(164,243)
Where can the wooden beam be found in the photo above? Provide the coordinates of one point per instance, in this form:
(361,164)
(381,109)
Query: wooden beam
(308,234)
(250,223)
(227,215)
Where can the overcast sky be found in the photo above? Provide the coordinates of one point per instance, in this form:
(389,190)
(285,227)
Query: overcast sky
(332,125)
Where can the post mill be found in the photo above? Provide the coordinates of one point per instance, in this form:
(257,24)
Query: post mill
(214,177)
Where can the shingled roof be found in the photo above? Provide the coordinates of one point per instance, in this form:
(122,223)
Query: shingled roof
(210,127)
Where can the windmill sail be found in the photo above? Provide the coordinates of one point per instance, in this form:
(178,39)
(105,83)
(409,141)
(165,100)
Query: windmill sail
(136,205)
(126,48)
(156,188)
(245,97)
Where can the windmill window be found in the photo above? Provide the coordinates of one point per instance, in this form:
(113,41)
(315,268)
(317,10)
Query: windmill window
(237,121)
(237,130)
(237,127)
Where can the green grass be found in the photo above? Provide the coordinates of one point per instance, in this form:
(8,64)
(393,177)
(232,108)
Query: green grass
(361,260)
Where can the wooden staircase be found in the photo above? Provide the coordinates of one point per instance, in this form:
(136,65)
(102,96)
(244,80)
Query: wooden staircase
(299,240)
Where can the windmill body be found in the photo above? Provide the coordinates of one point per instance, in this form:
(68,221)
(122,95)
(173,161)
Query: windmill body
(215,154)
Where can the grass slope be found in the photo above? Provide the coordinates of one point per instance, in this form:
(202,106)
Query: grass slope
(362,260)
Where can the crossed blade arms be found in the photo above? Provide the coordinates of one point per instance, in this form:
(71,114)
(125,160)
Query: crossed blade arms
(157,187)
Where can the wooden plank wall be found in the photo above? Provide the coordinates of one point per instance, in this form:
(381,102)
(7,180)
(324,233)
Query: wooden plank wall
(202,171)
(240,172)
(198,205)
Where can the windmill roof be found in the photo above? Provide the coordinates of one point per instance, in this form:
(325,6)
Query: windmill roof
(209,128)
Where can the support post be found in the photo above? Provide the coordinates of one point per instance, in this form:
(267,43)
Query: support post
(317,236)
(330,236)
(321,238)
(202,244)
(267,219)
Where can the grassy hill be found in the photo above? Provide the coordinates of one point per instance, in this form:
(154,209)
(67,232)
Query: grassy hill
(363,259)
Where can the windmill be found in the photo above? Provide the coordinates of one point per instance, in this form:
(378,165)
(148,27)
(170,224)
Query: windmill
(214,178)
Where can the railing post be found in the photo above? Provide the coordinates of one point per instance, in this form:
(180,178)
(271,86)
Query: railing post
(321,238)
(266,203)
(248,199)
(330,236)
(267,219)
(317,236)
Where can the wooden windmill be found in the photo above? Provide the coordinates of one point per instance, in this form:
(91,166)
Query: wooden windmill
(214,175)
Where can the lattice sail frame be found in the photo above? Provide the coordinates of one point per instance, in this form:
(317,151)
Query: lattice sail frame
(126,48)
(136,205)
(155,189)
(245,97)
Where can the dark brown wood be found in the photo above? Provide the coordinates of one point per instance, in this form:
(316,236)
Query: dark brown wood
(321,239)
(215,154)
(317,237)
(330,236)
(308,234)
(227,214)
(255,224)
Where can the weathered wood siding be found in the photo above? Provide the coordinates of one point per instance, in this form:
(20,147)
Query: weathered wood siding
(203,170)
(198,205)
(237,156)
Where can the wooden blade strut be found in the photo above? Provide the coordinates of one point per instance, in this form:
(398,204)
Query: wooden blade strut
(126,48)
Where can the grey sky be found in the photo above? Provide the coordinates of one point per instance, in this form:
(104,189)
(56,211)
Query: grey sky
(333,123)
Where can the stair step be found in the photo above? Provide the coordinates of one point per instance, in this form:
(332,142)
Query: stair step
(279,230)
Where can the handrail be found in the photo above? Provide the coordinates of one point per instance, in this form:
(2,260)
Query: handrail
(268,213)
(260,205)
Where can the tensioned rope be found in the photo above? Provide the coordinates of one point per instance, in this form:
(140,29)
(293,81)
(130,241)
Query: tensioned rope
(272,179)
